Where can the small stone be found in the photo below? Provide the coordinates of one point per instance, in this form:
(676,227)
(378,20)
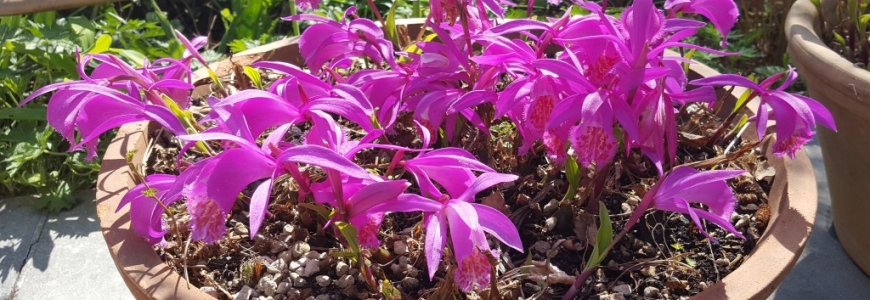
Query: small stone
(210,290)
(311,267)
(297,280)
(276,266)
(323,280)
(283,287)
(344,281)
(649,271)
(313,254)
(240,229)
(341,268)
(400,247)
(650,292)
(742,222)
(632,200)
(322,297)
(289,228)
(412,271)
(550,223)
(541,246)
(294,294)
(244,294)
(286,256)
(295,265)
(622,289)
(626,209)
(300,248)
(703,285)
(722,261)
(551,207)
(410,283)
(268,286)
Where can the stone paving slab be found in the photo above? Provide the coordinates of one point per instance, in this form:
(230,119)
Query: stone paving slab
(68,258)
(20,226)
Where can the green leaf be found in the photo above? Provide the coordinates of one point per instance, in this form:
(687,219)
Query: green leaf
(22,114)
(572,172)
(389,291)
(691,262)
(392,32)
(84,31)
(135,57)
(321,210)
(254,76)
(350,235)
(604,237)
(103,43)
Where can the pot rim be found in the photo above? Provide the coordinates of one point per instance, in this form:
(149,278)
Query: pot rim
(825,67)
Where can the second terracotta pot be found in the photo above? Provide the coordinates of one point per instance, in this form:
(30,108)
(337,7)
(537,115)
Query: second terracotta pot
(845,90)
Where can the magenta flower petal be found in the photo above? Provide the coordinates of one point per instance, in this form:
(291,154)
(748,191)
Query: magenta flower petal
(234,169)
(259,205)
(685,184)
(498,225)
(146,216)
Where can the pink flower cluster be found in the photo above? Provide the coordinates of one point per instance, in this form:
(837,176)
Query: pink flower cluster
(610,88)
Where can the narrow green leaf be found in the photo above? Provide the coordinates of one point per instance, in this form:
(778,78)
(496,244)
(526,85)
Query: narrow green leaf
(350,234)
(254,76)
(604,237)
(392,32)
(572,172)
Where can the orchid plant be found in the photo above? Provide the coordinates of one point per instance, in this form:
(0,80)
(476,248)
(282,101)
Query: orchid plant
(584,89)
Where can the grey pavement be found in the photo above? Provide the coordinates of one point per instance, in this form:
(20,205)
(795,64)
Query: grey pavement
(63,256)
(55,256)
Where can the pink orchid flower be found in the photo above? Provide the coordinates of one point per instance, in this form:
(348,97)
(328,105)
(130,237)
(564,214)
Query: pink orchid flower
(722,13)
(146,216)
(795,115)
(683,186)
(467,222)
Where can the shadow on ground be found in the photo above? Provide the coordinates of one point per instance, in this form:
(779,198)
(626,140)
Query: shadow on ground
(27,235)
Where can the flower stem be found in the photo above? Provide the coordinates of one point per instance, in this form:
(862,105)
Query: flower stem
(293,12)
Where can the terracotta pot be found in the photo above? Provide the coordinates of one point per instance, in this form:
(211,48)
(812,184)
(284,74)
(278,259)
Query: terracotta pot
(793,201)
(845,90)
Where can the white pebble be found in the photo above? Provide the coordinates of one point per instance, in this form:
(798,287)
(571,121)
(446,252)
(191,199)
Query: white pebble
(276,266)
(283,287)
(345,281)
(622,289)
(312,266)
(341,268)
(650,292)
(295,265)
(323,280)
(300,248)
(322,297)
